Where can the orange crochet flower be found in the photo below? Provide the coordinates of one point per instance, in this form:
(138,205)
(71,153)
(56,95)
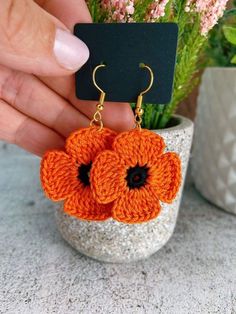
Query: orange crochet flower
(136,175)
(65,175)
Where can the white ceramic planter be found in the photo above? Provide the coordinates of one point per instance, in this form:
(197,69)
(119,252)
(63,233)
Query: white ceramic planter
(214,149)
(112,241)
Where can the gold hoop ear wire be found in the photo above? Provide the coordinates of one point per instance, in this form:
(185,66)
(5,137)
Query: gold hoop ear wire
(97,118)
(138,108)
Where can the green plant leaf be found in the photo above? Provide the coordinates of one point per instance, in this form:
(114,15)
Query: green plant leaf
(230,34)
(229,13)
(233,60)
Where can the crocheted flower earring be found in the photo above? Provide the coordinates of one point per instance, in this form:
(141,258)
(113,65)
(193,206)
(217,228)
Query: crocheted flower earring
(65,174)
(136,174)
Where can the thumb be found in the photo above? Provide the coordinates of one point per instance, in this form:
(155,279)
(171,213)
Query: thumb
(33,41)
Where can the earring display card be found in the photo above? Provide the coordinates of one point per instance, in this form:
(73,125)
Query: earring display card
(122,47)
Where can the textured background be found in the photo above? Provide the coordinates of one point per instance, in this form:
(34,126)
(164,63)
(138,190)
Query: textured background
(39,273)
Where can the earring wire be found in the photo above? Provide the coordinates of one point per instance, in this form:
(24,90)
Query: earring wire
(97,118)
(138,109)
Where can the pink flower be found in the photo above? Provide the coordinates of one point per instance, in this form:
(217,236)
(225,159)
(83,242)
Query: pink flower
(156,10)
(210,12)
(118,10)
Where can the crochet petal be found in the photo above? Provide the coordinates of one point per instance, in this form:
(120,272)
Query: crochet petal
(58,175)
(83,206)
(136,206)
(139,147)
(165,176)
(107,177)
(83,145)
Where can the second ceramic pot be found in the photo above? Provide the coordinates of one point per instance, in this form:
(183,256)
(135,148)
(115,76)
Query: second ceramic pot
(214,149)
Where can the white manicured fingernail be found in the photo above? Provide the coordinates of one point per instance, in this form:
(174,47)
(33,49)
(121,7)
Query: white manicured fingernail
(71,52)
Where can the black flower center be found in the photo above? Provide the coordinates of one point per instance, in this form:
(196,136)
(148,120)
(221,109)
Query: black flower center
(137,176)
(83,173)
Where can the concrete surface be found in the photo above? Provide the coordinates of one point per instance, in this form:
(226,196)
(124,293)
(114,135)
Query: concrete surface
(39,273)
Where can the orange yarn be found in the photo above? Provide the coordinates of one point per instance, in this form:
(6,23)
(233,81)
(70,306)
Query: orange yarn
(65,175)
(136,175)
(130,174)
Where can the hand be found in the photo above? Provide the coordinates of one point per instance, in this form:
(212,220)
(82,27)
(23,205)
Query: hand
(38,56)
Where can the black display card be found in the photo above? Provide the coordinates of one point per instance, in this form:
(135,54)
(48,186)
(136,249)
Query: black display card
(122,47)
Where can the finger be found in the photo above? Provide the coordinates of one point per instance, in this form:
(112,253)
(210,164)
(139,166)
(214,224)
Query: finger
(31,40)
(21,130)
(68,11)
(118,116)
(30,96)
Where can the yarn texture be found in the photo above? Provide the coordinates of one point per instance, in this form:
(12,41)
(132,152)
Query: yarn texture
(65,175)
(101,175)
(135,175)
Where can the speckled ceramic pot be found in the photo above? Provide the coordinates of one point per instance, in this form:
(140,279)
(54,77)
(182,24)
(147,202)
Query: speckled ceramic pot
(112,241)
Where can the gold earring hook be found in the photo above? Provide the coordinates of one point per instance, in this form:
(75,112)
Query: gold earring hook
(103,94)
(97,118)
(138,109)
(142,65)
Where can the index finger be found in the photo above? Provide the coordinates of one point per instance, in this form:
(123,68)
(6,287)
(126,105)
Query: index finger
(69,12)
